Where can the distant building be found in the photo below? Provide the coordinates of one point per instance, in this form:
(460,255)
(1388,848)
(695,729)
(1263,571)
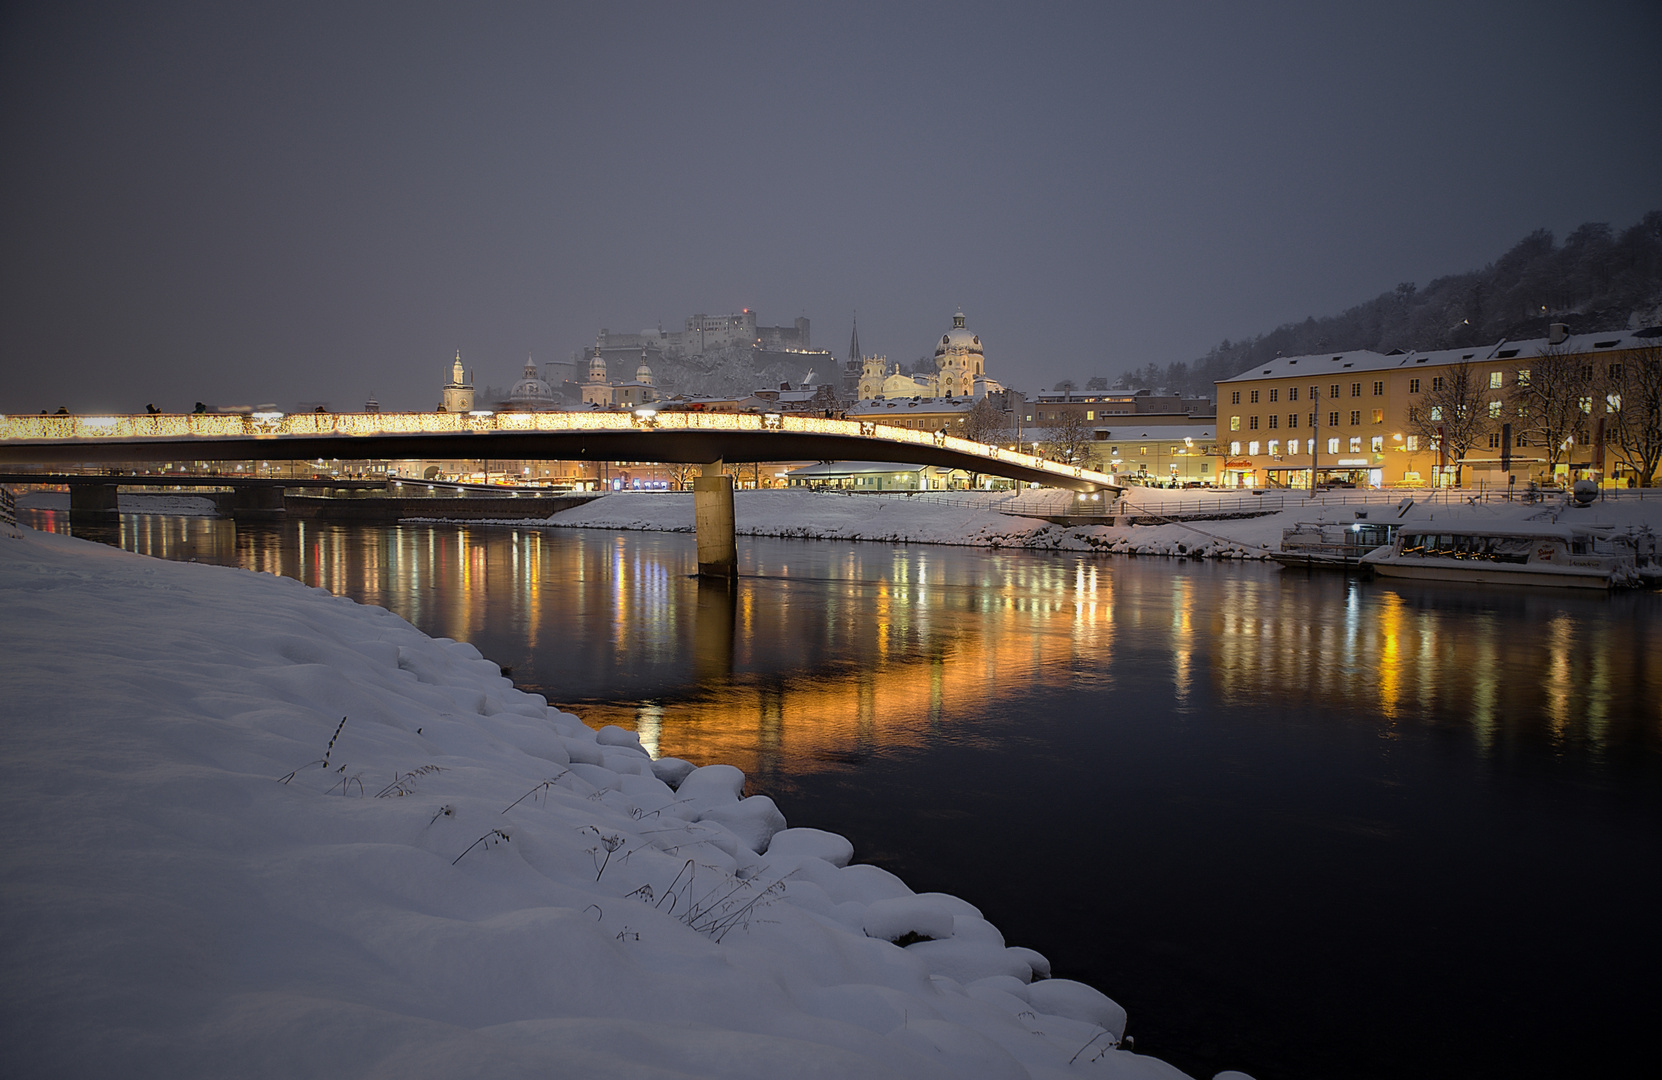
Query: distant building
(532,393)
(600,391)
(705,333)
(960,370)
(457,394)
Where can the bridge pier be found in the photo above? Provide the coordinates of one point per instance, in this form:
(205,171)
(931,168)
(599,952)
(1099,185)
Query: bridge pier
(257,502)
(718,545)
(94,504)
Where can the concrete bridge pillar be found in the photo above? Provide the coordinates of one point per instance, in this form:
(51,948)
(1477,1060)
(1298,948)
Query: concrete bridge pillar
(257,502)
(94,503)
(718,545)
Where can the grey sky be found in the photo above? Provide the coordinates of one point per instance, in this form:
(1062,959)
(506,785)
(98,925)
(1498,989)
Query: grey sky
(239,203)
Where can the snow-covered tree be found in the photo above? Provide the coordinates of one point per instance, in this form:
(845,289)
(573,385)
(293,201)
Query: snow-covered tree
(1453,413)
(1631,395)
(1548,402)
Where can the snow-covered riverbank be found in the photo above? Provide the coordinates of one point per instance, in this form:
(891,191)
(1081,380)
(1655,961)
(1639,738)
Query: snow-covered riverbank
(250,828)
(934,519)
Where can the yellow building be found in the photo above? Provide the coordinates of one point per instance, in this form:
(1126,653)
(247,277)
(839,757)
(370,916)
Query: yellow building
(1348,416)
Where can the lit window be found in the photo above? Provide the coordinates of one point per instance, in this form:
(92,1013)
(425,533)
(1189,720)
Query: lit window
(1333,446)
(1586,404)
(1234,423)
(1523,376)
(1379,416)
(1413,443)
(1436,413)
(1234,448)
(1494,380)
(1494,410)
(1142,451)
(1356,444)
(1090,414)
(1252,447)
(1613,402)
(1377,444)
(1292,446)
(1275,447)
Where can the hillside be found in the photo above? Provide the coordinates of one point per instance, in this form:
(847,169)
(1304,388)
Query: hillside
(1595,280)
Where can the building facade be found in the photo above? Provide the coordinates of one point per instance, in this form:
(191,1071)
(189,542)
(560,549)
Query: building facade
(1367,418)
(457,394)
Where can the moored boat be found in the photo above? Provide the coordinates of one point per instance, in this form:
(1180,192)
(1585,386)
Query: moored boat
(1338,545)
(1566,556)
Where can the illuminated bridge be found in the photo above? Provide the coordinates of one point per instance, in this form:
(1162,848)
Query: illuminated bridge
(709,439)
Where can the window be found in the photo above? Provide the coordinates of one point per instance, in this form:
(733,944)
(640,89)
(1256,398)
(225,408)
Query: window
(1355,417)
(1436,413)
(1292,446)
(1274,394)
(1413,443)
(1523,376)
(1413,413)
(1333,446)
(1379,416)
(1273,419)
(1206,466)
(1436,382)
(1523,440)
(1292,419)
(1275,447)
(1494,380)
(1254,397)
(1333,391)
(1252,423)
(1252,447)
(1586,404)
(1332,419)
(1586,372)
(1413,386)
(1355,389)
(1615,371)
(1029,418)
(1494,440)
(1292,393)
(1174,450)
(1234,448)
(1613,402)
(1378,389)
(1494,410)
(1234,423)
(1234,397)
(1356,444)
(1090,414)
(1377,444)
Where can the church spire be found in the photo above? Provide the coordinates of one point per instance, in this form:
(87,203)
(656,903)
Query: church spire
(854,342)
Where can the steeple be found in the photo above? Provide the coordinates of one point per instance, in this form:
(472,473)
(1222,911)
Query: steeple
(854,342)
(958,320)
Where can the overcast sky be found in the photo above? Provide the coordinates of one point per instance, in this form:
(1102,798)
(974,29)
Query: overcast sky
(249,203)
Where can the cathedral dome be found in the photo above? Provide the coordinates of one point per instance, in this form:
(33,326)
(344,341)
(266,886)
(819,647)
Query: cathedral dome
(958,339)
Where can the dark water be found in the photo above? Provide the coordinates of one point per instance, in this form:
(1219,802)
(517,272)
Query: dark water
(1303,826)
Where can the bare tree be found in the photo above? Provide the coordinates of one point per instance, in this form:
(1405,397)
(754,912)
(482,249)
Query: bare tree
(680,474)
(986,423)
(1453,414)
(1070,439)
(1548,401)
(1632,397)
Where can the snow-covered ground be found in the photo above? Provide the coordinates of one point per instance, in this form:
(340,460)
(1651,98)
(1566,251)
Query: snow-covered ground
(253,829)
(941,519)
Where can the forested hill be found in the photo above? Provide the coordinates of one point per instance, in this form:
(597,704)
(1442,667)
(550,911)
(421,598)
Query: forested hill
(1595,280)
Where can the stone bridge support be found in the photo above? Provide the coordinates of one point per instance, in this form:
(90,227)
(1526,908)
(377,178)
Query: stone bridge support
(94,504)
(257,502)
(718,545)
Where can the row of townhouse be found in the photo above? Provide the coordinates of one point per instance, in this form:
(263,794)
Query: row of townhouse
(1369,418)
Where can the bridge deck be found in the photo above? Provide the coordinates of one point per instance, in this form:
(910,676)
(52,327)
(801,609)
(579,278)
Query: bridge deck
(687,437)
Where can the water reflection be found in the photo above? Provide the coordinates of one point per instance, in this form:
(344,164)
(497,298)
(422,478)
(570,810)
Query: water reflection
(830,651)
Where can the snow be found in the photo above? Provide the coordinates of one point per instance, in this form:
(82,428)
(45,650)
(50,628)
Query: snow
(252,828)
(948,518)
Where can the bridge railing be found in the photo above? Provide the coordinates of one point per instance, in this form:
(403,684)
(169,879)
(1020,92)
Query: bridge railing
(276,425)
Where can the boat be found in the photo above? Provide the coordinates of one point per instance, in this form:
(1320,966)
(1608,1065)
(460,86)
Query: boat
(1527,553)
(1338,545)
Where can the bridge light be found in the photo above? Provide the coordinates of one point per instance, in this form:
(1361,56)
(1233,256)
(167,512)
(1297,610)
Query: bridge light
(267,417)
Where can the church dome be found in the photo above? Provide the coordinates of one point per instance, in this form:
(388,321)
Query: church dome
(958,339)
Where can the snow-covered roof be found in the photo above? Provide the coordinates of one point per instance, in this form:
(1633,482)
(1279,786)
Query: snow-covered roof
(850,468)
(874,407)
(1359,360)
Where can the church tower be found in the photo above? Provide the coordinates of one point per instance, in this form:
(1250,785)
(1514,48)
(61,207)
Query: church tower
(457,395)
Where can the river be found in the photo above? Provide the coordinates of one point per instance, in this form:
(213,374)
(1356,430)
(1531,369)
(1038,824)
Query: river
(1300,825)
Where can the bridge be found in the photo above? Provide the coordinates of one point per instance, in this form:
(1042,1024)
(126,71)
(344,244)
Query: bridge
(707,439)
